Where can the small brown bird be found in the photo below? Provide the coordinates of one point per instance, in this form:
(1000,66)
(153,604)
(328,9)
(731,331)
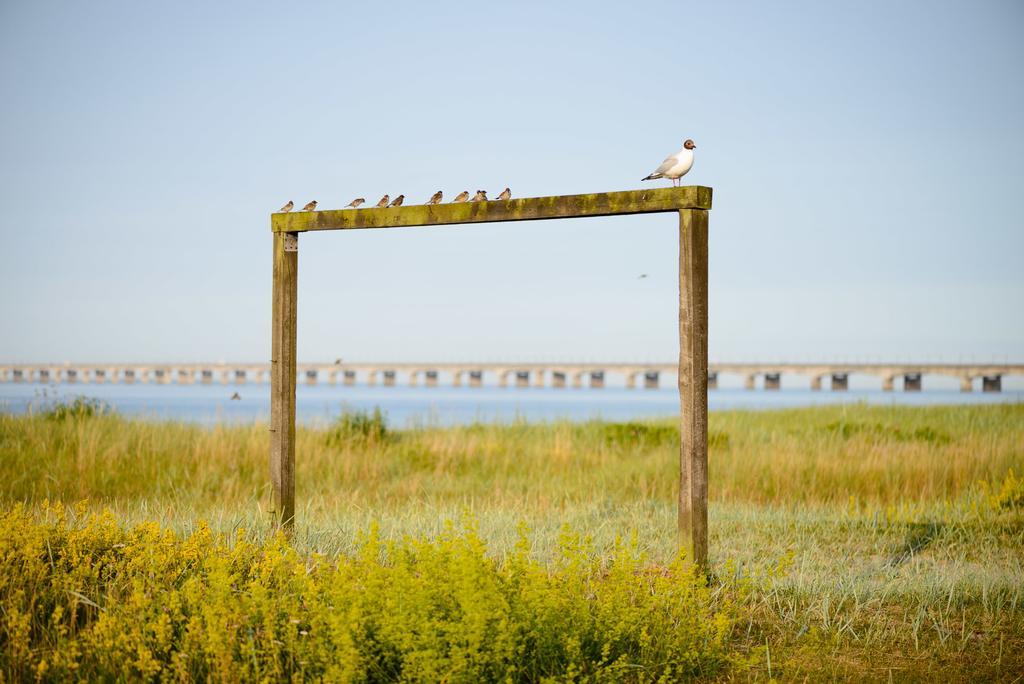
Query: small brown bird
(398,201)
(505,194)
(461,197)
(435,198)
(383,202)
(355,203)
(480,196)
(286,208)
(310,207)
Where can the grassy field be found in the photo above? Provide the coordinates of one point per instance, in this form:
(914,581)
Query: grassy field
(846,542)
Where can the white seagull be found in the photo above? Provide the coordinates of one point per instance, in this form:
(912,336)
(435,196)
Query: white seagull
(675,165)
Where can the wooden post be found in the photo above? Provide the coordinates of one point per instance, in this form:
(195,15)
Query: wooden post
(283,378)
(693,384)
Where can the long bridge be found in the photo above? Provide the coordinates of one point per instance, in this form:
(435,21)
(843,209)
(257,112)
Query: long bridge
(987,377)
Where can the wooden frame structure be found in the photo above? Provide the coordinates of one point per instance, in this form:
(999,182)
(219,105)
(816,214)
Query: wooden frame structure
(691,202)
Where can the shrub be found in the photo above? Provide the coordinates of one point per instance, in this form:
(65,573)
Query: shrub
(80,408)
(86,599)
(357,426)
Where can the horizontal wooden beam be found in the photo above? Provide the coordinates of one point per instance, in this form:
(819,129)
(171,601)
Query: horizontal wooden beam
(526,209)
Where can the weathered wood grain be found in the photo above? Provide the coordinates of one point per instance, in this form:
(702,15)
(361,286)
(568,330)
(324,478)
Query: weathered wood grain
(525,209)
(693,385)
(283,378)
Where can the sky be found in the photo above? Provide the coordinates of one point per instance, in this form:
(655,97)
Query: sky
(866,160)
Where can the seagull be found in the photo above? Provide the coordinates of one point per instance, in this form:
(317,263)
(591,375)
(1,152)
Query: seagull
(675,165)
(505,194)
(435,198)
(310,207)
(355,203)
(398,201)
(383,201)
(461,197)
(286,208)
(480,196)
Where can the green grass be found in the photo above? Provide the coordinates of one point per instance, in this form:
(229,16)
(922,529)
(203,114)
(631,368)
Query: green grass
(874,546)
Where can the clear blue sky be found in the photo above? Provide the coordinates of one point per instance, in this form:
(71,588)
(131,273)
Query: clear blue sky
(867,160)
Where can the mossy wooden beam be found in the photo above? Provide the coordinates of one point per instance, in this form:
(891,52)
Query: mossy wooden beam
(525,209)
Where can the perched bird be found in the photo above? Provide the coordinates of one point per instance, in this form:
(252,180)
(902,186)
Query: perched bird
(461,197)
(675,165)
(355,203)
(480,196)
(286,208)
(383,202)
(505,194)
(398,201)
(236,396)
(435,198)
(310,207)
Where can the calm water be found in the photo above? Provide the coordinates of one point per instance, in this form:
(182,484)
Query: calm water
(406,406)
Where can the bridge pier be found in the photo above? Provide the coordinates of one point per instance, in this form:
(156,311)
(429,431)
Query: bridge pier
(206,376)
(389,378)
(538,378)
(414,378)
(371,377)
(991,383)
(349,378)
(457,379)
(912,382)
(888,383)
(840,382)
(161,376)
(71,375)
(750,382)
(522,378)
(430,379)
(19,375)
(558,379)
(241,377)
(651,380)
(816,383)
(967,384)
(712,381)
(631,380)
(476,378)
(311,377)
(129,376)
(597,380)
(772,381)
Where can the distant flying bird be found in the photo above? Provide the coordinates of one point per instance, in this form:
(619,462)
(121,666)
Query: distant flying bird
(337,362)
(505,194)
(398,201)
(480,196)
(675,165)
(286,208)
(236,396)
(435,198)
(461,197)
(355,203)
(383,202)
(642,276)
(310,207)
